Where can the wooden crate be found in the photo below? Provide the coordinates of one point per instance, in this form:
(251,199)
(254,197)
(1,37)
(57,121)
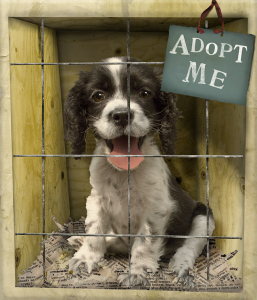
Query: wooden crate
(67,185)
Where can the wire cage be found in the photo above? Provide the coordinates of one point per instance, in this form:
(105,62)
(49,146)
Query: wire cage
(209,162)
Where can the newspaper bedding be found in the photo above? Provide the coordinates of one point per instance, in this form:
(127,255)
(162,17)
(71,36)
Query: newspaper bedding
(58,252)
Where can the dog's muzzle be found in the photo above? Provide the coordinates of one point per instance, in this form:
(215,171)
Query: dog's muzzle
(120,145)
(120,117)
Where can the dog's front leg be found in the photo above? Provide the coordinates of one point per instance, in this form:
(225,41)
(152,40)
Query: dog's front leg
(90,248)
(145,253)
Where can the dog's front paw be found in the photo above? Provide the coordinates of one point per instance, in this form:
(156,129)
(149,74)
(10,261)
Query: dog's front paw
(135,279)
(181,270)
(187,279)
(89,263)
(89,266)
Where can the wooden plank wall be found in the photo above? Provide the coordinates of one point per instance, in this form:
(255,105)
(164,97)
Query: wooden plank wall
(26,101)
(227,127)
(227,130)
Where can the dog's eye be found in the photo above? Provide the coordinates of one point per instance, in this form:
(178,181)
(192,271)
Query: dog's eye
(144,94)
(98,96)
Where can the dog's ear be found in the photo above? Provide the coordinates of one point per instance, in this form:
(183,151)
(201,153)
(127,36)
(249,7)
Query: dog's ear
(75,123)
(168,116)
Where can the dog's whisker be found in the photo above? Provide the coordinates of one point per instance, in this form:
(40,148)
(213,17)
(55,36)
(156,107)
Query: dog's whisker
(97,118)
(157,113)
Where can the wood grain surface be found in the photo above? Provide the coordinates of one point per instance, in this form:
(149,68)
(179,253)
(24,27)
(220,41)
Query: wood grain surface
(26,97)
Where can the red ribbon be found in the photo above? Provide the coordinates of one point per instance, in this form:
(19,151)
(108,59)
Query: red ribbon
(205,14)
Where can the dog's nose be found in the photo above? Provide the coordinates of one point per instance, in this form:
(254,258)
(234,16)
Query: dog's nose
(120,117)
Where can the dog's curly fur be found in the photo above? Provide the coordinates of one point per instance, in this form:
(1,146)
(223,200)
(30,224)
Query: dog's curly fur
(158,205)
(76,124)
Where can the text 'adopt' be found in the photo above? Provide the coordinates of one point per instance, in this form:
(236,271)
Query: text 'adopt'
(211,49)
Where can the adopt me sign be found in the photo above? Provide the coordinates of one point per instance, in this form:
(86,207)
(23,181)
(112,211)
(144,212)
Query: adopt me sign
(208,65)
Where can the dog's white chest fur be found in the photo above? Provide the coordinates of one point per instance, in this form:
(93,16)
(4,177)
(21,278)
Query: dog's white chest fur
(149,192)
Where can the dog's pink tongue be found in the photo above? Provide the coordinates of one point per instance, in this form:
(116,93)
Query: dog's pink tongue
(120,147)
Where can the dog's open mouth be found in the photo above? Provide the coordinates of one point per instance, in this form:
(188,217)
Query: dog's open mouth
(119,146)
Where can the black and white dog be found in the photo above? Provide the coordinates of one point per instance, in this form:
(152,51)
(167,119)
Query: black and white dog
(158,205)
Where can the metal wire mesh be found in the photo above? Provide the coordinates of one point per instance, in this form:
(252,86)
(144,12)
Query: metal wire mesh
(43,156)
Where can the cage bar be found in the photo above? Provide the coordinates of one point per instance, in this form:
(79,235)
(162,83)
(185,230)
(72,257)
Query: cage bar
(207,188)
(89,63)
(134,235)
(128,105)
(104,155)
(207,180)
(43,144)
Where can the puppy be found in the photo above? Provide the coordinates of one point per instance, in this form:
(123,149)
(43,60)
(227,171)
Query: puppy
(158,206)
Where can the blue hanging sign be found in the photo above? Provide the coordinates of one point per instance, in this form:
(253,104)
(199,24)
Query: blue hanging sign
(211,66)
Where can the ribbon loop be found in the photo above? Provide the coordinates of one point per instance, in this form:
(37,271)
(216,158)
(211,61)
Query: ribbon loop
(205,14)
